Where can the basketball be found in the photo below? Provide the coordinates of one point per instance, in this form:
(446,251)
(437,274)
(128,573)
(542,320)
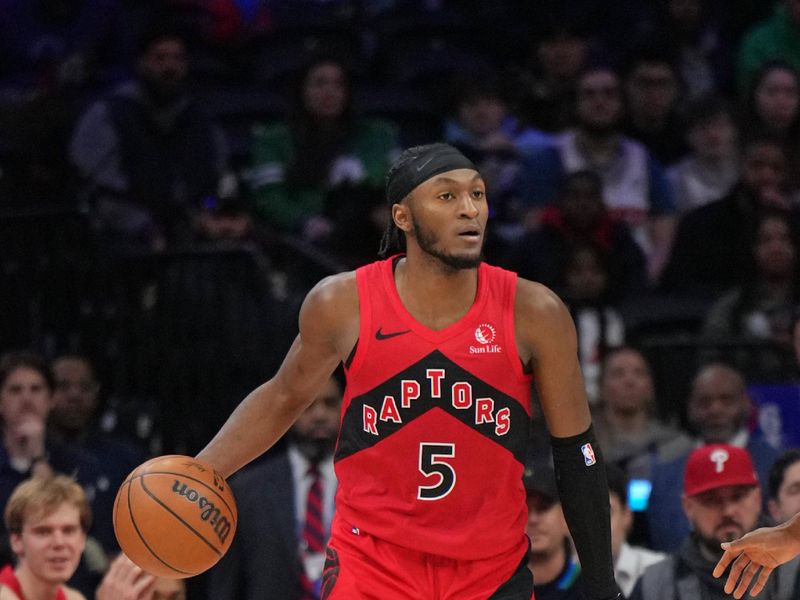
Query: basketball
(175,516)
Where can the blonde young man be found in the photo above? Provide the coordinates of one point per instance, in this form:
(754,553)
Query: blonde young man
(47,519)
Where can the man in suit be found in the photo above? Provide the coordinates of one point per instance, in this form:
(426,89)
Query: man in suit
(272,556)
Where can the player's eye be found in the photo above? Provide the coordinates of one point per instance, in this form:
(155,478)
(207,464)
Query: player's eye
(479,194)
(446,196)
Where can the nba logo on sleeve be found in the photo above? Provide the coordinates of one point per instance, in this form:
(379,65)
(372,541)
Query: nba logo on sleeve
(588,455)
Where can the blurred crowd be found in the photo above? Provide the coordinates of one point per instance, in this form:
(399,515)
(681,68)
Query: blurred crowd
(175,174)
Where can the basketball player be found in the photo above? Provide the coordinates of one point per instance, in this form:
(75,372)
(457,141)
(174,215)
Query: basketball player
(758,552)
(47,519)
(440,351)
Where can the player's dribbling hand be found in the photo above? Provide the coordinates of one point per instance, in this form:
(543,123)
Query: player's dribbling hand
(125,581)
(756,553)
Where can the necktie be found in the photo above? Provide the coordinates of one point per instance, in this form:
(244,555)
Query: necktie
(312,531)
(313,536)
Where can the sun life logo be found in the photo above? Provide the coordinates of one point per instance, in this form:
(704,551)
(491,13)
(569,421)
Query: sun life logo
(485,333)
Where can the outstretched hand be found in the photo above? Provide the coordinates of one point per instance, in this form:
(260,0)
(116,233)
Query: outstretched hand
(125,581)
(756,553)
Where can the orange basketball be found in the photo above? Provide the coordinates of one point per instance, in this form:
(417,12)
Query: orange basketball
(175,516)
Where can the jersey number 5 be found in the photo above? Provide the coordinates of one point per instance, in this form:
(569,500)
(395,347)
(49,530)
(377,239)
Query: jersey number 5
(431,465)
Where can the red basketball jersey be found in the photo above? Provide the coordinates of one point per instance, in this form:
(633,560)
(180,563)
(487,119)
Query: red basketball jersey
(8,578)
(435,424)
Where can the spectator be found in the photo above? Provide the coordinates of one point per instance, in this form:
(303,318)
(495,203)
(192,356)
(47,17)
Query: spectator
(27,386)
(763,306)
(652,92)
(48,518)
(322,146)
(546,84)
(721,498)
(580,218)
(228,23)
(625,418)
(483,128)
(629,561)
(53,53)
(223,220)
(718,411)
(773,107)
(105,461)
(269,558)
(597,322)
(49,44)
(713,241)
(784,486)
(775,37)
(773,100)
(148,154)
(711,168)
(634,186)
(556,573)
(693,30)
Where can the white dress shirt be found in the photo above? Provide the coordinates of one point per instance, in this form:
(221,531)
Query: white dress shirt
(631,563)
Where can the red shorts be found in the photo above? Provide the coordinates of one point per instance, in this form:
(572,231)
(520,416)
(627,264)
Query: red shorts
(359,566)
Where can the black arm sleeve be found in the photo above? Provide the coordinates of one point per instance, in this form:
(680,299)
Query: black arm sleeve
(582,486)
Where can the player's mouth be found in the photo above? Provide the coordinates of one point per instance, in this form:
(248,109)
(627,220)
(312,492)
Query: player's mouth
(471,234)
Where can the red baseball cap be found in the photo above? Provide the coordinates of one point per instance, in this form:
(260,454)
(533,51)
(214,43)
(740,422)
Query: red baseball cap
(717,465)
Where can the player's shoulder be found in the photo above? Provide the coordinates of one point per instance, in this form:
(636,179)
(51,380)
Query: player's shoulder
(330,310)
(333,288)
(334,297)
(540,317)
(536,300)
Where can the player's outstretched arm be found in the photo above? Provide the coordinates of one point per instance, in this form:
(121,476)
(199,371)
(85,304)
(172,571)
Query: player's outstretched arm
(328,324)
(758,553)
(548,342)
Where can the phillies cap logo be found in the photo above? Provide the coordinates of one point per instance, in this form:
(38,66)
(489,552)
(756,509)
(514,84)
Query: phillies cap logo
(719,457)
(588,455)
(485,333)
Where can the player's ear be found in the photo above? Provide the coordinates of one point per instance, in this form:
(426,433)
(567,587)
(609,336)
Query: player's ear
(401,216)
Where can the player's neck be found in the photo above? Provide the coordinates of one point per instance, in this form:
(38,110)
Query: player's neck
(435,297)
(33,588)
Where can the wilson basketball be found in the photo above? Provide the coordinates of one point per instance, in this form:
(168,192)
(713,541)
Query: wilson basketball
(175,516)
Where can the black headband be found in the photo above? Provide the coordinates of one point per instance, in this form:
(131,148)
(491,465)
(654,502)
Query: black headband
(439,158)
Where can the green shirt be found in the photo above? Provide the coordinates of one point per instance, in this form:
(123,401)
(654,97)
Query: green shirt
(374,144)
(776,37)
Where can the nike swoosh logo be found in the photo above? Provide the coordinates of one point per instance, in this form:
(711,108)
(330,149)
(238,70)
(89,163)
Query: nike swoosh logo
(425,164)
(379,335)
